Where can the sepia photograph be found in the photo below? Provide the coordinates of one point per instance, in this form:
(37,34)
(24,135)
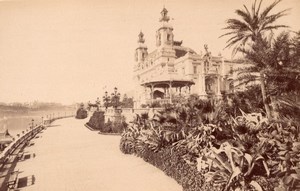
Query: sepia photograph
(160,95)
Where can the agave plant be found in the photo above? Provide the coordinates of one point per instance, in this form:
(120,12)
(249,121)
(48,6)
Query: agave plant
(230,167)
(285,163)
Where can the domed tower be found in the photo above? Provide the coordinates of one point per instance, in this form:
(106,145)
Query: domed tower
(164,35)
(140,55)
(141,51)
(164,42)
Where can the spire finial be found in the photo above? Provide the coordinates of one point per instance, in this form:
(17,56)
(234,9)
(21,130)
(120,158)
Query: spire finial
(164,15)
(141,37)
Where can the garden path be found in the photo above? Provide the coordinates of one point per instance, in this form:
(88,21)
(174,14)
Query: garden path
(69,157)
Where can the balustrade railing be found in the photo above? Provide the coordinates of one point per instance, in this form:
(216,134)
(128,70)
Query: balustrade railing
(159,101)
(17,142)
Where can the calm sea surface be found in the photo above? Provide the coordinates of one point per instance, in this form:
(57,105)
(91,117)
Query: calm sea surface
(16,123)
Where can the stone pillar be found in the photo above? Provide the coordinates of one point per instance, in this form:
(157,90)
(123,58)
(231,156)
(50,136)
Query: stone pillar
(218,93)
(170,91)
(151,94)
(203,94)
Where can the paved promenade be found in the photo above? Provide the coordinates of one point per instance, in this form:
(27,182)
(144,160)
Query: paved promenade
(69,157)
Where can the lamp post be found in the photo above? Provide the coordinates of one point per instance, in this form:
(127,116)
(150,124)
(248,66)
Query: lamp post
(115,98)
(32,123)
(106,100)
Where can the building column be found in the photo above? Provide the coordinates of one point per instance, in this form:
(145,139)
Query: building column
(218,93)
(151,93)
(203,94)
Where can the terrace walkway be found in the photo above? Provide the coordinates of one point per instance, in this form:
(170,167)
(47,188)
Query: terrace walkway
(69,157)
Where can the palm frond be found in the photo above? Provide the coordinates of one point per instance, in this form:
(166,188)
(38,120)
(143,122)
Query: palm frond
(247,69)
(226,34)
(266,11)
(252,26)
(248,12)
(253,9)
(233,42)
(258,9)
(272,18)
(274,27)
(245,15)
(235,24)
(245,79)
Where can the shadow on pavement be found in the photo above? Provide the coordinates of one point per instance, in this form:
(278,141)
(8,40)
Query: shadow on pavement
(53,126)
(31,144)
(28,156)
(26,181)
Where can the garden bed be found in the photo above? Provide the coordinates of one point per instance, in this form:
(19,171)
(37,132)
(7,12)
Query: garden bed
(218,151)
(97,122)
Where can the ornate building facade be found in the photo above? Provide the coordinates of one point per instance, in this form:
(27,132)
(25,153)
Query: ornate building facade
(173,70)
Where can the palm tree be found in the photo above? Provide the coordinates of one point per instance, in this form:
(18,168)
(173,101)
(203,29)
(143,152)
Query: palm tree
(279,63)
(251,30)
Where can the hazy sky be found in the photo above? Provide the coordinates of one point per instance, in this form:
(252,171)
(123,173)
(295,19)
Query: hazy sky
(68,51)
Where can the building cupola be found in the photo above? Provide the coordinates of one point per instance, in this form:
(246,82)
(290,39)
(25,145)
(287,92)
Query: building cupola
(164,35)
(141,51)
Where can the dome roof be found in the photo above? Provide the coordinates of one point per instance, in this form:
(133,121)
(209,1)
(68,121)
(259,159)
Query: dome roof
(180,51)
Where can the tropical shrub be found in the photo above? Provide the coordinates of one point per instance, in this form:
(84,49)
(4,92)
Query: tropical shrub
(259,156)
(113,127)
(203,147)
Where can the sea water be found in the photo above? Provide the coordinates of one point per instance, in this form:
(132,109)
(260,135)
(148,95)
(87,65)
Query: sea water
(17,123)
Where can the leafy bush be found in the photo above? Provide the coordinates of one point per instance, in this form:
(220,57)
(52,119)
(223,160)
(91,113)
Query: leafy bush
(201,146)
(81,113)
(97,120)
(113,127)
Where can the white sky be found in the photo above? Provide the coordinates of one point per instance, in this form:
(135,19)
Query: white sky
(67,51)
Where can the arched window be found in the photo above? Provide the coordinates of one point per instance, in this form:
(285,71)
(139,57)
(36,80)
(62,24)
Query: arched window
(143,56)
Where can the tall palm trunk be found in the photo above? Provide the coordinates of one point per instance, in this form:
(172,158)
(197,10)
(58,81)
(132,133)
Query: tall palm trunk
(264,95)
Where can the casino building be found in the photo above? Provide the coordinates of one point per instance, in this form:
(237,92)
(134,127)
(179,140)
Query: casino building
(173,70)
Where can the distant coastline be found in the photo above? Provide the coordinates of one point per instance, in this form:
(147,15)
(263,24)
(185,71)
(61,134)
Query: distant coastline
(21,109)
(18,117)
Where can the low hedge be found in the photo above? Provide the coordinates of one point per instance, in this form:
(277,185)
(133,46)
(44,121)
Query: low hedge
(171,163)
(97,121)
(81,113)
